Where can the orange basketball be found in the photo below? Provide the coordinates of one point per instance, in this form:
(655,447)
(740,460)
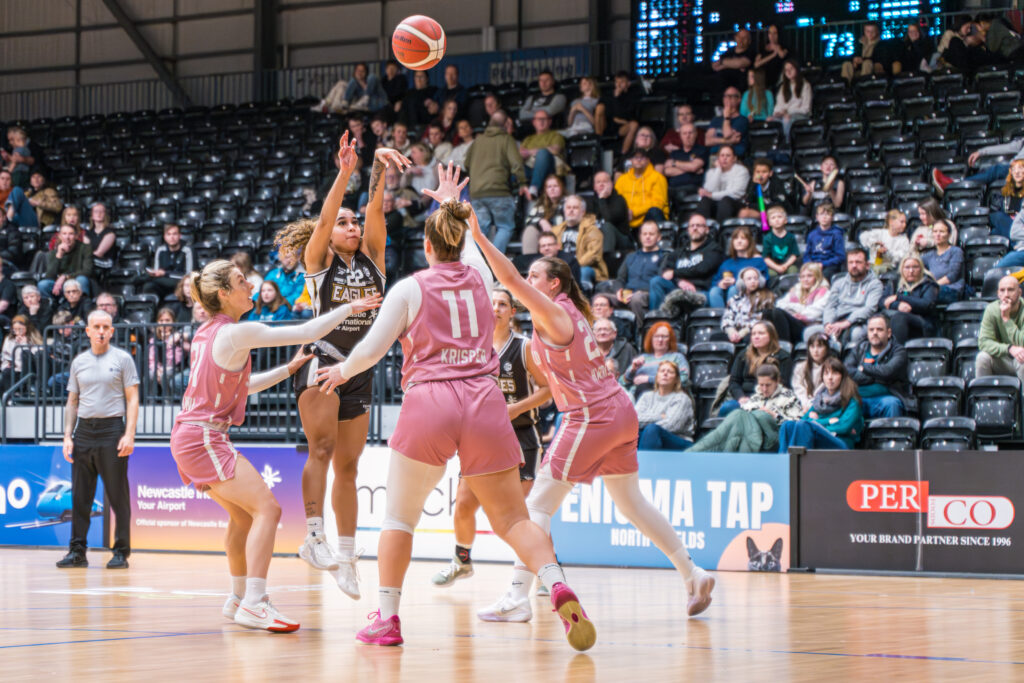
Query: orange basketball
(418,42)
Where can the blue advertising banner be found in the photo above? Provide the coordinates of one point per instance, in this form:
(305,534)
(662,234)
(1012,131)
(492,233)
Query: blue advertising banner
(35,498)
(730,509)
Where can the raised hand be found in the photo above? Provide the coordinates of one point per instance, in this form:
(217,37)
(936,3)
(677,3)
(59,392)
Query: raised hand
(448,185)
(388,156)
(347,153)
(366,303)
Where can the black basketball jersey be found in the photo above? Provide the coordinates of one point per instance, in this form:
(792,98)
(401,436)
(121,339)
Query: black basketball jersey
(339,284)
(514,378)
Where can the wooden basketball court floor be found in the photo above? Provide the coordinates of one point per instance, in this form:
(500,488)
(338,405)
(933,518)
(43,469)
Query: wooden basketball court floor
(160,620)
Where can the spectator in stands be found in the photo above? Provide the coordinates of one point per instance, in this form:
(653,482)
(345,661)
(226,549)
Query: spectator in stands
(1007,204)
(441,149)
(853,298)
(544,213)
(637,269)
(602,305)
(35,307)
(70,259)
(793,102)
(803,306)
(665,413)
(878,365)
(243,260)
(757,103)
(8,300)
(1001,340)
(290,281)
(17,160)
(991,173)
(835,419)
(465,135)
(772,56)
(452,90)
(364,91)
(74,302)
(44,199)
(826,243)
(724,186)
(929,213)
(270,306)
(622,109)
(644,189)
(690,267)
(171,261)
(953,50)
(491,162)
(613,211)
(863,63)
(915,51)
(580,237)
(887,246)
(12,354)
(807,373)
(832,187)
(400,138)
(648,141)
(946,264)
(734,63)
(1001,39)
(101,237)
(755,427)
(548,245)
(779,247)
(183,302)
(448,118)
(911,306)
(421,175)
(672,139)
(764,189)
(752,302)
(619,351)
(19,209)
(106,302)
(166,352)
(730,127)
(542,152)
(660,344)
(685,165)
(395,85)
(742,254)
(549,100)
(419,105)
(366,141)
(587,112)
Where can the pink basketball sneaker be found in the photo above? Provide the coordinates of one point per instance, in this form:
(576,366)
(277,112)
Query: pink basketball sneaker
(381,632)
(579,630)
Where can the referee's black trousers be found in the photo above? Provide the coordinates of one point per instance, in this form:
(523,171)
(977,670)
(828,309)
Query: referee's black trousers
(95,453)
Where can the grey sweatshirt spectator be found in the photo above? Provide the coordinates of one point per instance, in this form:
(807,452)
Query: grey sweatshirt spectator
(854,298)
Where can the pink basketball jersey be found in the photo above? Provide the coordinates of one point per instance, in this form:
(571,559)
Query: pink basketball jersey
(576,373)
(450,337)
(213,394)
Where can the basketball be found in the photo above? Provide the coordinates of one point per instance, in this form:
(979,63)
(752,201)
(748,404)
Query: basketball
(418,42)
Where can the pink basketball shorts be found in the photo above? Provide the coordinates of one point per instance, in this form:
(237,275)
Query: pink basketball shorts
(595,440)
(203,455)
(468,416)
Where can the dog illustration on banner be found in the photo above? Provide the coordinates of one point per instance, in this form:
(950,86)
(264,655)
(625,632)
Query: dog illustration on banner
(764,560)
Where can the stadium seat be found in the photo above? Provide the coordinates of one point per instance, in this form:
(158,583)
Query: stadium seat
(705,395)
(892,434)
(994,404)
(710,361)
(704,325)
(948,434)
(939,396)
(928,357)
(963,319)
(963,359)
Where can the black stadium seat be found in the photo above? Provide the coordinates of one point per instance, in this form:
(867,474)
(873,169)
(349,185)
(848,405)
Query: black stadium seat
(892,434)
(948,434)
(939,396)
(994,404)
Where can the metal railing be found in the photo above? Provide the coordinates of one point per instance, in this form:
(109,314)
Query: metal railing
(161,359)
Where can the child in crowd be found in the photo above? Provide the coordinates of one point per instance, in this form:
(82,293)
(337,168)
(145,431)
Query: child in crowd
(780,251)
(826,244)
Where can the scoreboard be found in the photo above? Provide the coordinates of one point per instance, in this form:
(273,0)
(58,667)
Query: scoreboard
(670,33)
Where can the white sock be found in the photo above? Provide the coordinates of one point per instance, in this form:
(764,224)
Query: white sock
(550,574)
(522,581)
(255,590)
(315,526)
(682,561)
(238,586)
(346,546)
(389,599)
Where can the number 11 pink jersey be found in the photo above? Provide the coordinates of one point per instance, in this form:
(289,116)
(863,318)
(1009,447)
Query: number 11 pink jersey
(450,337)
(576,373)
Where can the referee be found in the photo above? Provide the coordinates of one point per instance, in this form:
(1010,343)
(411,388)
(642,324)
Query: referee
(102,409)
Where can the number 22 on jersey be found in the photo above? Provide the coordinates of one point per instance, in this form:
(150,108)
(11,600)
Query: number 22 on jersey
(452,297)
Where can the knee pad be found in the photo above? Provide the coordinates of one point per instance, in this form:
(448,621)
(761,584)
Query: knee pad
(392,523)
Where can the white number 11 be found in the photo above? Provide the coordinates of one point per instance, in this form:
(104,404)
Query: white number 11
(453,308)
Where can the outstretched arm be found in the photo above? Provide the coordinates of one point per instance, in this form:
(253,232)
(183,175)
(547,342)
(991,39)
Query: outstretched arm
(375,233)
(268,378)
(549,319)
(317,255)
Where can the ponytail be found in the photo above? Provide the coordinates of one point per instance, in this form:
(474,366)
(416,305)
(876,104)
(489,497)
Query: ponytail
(446,229)
(206,283)
(557,268)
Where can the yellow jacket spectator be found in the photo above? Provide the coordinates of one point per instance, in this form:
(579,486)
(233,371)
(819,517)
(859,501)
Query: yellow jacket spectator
(644,189)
